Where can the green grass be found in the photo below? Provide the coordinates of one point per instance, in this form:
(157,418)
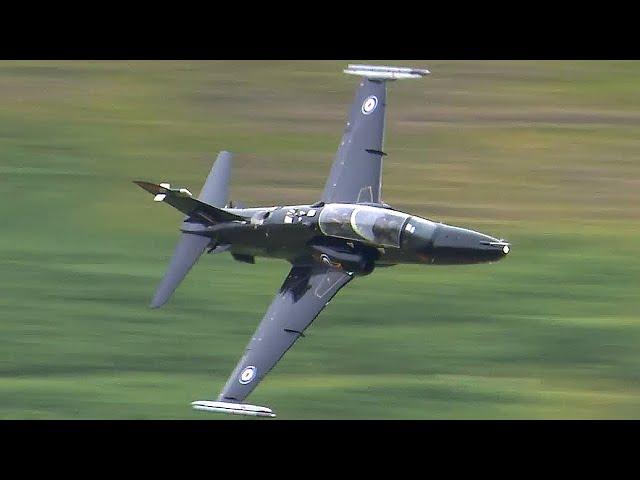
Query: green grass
(545,154)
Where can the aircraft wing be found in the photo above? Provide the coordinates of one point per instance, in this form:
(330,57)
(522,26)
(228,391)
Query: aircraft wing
(303,295)
(356,173)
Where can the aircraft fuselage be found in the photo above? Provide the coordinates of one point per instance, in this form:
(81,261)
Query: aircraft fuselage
(354,237)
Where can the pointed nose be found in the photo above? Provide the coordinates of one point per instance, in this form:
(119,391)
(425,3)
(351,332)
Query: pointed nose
(501,244)
(454,245)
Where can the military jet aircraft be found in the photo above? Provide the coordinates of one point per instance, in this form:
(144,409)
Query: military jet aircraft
(347,233)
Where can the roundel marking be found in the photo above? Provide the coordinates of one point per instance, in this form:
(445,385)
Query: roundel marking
(247,375)
(369,105)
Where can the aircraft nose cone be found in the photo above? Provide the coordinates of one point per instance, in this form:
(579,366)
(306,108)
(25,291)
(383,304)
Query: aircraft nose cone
(459,245)
(455,237)
(497,249)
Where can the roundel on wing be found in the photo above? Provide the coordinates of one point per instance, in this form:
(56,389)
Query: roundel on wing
(369,105)
(247,375)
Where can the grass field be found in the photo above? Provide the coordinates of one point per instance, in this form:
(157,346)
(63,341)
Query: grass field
(544,154)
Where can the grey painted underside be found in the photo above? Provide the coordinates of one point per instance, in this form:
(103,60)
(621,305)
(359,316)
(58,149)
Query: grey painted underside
(356,172)
(303,295)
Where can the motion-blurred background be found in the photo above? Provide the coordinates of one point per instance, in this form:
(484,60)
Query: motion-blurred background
(544,154)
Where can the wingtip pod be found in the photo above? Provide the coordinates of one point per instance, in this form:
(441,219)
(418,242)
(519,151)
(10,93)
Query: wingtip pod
(233,408)
(380,72)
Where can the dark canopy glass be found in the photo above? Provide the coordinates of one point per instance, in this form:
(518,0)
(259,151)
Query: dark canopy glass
(378,226)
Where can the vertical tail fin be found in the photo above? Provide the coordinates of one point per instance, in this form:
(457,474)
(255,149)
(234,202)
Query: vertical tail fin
(186,254)
(190,247)
(215,190)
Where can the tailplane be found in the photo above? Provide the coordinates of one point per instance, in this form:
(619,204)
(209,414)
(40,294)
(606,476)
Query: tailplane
(182,199)
(207,209)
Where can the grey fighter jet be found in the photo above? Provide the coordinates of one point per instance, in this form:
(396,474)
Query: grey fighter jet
(347,233)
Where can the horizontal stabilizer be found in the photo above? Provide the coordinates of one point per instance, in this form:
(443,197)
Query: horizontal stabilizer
(233,408)
(379,72)
(181,199)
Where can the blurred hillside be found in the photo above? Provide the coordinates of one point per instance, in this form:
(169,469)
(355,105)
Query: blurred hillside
(544,154)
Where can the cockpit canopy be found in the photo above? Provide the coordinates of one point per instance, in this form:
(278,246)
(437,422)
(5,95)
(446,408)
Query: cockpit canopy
(375,225)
